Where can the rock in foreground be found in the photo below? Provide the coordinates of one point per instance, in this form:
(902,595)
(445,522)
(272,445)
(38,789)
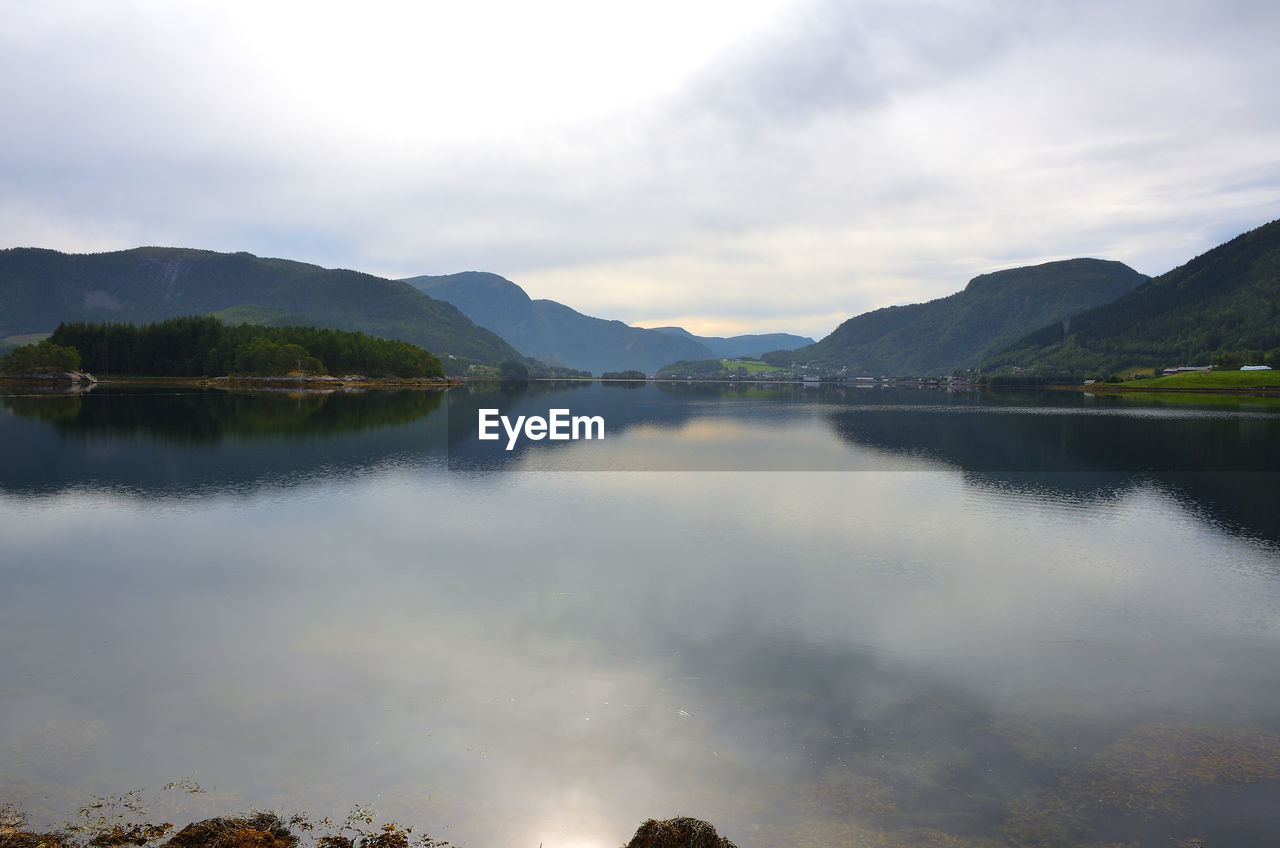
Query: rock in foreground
(678,833)
(260,830)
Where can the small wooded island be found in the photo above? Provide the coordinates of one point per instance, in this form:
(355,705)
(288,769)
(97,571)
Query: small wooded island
(204,347)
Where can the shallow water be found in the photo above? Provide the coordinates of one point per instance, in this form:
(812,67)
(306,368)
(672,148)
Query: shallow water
(810,616)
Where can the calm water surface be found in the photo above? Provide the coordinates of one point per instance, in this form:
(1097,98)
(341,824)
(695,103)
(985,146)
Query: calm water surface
(819,617)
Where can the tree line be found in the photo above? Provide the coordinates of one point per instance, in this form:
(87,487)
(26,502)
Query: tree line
(195,346)
(699,369)
(42,358)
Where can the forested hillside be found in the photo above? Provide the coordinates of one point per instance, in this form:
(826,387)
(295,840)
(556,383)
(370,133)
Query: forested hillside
(1222,306)
(554,333)
(41,288)
(197,346)
(965,329)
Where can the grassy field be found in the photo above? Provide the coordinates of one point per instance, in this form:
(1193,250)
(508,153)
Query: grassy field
(1212,380)
(753,366)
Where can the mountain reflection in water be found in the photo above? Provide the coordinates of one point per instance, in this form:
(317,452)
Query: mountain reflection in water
(1007,623)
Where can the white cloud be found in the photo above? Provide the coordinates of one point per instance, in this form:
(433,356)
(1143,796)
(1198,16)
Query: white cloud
(767,166)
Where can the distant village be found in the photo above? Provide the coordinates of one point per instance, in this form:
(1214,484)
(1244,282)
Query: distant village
(748,370)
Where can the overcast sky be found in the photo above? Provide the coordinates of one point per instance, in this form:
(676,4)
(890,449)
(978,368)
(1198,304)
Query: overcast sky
(727,165)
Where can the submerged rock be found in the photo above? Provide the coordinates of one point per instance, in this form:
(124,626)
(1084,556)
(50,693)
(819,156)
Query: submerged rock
(13,838)
(678,833)
(260,830)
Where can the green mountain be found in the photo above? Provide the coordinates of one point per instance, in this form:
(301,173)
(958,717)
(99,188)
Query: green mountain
(1219,306)
(735,346)
(967,328)
(551,331)
(41,288)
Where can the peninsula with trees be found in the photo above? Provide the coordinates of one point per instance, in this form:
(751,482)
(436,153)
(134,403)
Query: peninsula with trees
(203,346)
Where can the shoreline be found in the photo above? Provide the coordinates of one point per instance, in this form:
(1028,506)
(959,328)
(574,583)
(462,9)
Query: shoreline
(87,381)
(1112,388)
(321,382)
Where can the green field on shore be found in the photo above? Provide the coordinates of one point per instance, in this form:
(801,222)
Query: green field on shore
(1212,380)
(752,366)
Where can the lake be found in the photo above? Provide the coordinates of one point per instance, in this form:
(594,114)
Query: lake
(824,616)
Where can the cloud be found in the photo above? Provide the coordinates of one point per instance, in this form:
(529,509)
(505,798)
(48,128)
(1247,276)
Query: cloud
(845,58)
(868,156)
(775,166)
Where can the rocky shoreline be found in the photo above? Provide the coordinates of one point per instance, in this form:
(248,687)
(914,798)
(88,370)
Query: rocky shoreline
(268,830)
(292,381)
(77,378)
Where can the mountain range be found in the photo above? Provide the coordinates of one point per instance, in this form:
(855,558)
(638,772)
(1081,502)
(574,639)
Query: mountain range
(965,329)
(41,288)
(1073,318)
(1223,304)
(554,333)
(741,346)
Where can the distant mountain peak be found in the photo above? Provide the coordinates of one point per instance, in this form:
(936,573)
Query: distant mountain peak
(556,333)
(752,345)
(964,329)
(1052,274)
(673,331)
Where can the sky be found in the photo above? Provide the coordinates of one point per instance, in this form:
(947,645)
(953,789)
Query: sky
(729,166)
